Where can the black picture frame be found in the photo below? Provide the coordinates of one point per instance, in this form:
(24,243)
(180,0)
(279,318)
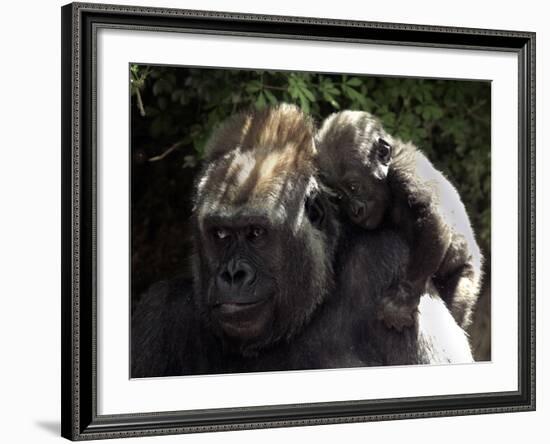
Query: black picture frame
(79,395)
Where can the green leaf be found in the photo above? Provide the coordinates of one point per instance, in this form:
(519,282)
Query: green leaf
(253,86)
(354,81)
(272,99)
(293,91)
(331,100)
(260,101)
(308,94)
(304,103)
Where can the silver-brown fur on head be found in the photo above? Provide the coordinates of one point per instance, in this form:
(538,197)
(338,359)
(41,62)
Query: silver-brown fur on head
(258,161)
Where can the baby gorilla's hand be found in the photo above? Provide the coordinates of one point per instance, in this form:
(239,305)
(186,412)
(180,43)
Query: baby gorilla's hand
(399,307)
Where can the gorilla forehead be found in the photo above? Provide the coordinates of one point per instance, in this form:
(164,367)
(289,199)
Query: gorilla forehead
(346,138)
(261,163)
(340,125)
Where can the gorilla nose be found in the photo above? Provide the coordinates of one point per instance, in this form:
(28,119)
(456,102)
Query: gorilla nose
(358,211)
(237,274)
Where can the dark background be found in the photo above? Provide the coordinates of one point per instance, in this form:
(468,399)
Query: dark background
(174,110)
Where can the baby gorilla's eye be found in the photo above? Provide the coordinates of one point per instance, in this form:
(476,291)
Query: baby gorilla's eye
(352,186)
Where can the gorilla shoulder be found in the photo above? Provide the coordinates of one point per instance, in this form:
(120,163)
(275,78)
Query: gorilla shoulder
(162,321)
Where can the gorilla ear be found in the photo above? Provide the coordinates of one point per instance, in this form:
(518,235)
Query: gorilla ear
(382,158)
(384,151)
(315,210)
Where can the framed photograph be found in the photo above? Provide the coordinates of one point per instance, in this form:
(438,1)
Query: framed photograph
(279,221)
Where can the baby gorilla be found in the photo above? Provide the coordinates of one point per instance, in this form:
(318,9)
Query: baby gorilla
(378,181)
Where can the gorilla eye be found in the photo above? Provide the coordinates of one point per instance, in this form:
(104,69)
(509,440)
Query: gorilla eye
(256,232)
(352,186)
(220,233)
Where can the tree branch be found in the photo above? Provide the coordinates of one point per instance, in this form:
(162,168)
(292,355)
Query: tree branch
(172,148)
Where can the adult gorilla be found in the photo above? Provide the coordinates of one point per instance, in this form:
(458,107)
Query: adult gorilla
(277,284)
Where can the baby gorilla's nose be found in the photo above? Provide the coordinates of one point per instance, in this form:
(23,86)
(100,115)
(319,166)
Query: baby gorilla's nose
(358,211)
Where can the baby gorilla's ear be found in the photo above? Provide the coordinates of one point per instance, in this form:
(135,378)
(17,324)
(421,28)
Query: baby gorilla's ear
(381,158)
(383,151)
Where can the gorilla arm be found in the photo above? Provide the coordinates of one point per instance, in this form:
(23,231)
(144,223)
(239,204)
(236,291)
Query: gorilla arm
(372,263)
(438,230)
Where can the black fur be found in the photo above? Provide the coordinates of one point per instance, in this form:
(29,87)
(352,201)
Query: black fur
(317,285)
(382,181)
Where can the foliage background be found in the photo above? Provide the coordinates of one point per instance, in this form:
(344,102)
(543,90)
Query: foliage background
(174,110)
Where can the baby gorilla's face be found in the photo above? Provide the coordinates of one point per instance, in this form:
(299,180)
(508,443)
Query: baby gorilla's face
(363,188)
(363,198)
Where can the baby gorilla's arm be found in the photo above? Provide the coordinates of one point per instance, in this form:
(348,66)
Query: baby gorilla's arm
(431,238)
(417,215)
(459,277)
(428,238)
(435,223)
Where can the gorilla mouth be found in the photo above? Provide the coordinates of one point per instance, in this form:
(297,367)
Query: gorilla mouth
(230,308)
(243,320)
(366,221)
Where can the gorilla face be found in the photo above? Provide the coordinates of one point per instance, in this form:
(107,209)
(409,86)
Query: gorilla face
(242,287)
(264,248)
(362,196)
(354,158)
